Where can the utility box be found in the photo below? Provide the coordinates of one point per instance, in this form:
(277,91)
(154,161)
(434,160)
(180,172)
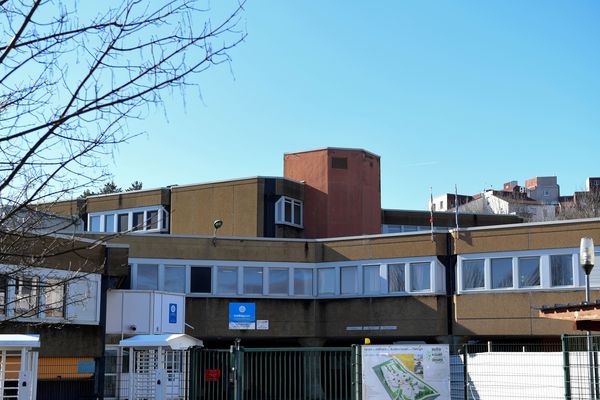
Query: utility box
(144,312)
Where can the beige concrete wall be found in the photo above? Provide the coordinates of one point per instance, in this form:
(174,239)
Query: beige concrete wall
(414,317)
(511,314)
(237,203)
(123,200)
(527,237)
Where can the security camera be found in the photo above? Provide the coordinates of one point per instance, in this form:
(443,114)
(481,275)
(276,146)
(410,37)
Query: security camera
(133,328)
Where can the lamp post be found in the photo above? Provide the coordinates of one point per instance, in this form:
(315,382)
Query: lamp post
(586,260)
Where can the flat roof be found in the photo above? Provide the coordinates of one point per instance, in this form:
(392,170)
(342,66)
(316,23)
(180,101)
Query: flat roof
(331,148)
(177,341)
(19,340)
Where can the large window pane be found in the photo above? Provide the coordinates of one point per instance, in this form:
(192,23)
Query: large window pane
(297,213)
(561,270)
(147,277)
(371,279)
(3,293)
(26,296)
(152,220)
(529,271)
(420,278)
(54,303)
(94,223)
(349,279)
(175,279)
(227,280)
(200,280)
(109,223)
(288,211)
(326,280)
(278,281)
(137,221)
(253,280)
(122,222)
(473,274)
(396,281)
(303,281)
(501,273)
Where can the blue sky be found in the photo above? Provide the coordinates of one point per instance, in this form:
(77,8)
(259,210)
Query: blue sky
(461,92)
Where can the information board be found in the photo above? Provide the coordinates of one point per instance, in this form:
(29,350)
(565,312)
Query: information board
(242,316)
(406,372)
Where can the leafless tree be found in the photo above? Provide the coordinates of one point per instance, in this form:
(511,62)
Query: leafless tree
(584,204)
(70,79)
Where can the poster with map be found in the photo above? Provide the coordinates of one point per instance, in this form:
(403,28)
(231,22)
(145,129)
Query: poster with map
(406,372)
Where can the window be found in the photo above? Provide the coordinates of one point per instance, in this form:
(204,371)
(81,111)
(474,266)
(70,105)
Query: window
(142,219)
(227,280)
(123,222)
(303,281)
(95,224)
(326,280)
(137,221)
(396,280)
(147,277)
(371,279)
(54,298)
(278,281)
(442,205)
(339,162)
(529,271)
(561,270)
(420,276)
(288,211)
(174,279)
(501,273)
(109,223)
(473,274)
(26,296)
(200,280)
(3,293)
(152,219)
(349,280)
(253,280)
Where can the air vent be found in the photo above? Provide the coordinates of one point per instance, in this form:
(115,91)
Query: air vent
(339,162)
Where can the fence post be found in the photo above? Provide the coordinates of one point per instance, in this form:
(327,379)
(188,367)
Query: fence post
(465,371)
(356,372)
(566,366)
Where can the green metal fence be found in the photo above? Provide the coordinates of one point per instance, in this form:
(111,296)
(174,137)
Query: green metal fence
(581,366)
(308,373)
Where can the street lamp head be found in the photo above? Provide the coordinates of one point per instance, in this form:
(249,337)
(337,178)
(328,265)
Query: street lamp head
(587,255)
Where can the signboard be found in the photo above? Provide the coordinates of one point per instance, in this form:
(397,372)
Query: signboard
(403,372)
(172,313)
(242,316)
(262,324)
(212,375)
(86,367)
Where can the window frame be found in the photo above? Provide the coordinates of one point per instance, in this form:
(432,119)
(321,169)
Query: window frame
(280,217)
(162,222)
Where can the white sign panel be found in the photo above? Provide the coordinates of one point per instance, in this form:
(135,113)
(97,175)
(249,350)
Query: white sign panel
(262,324)
(406,372)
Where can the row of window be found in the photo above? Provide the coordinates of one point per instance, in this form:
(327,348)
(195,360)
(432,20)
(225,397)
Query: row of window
(520,271)
(30,296)
(150,219)
(245,280)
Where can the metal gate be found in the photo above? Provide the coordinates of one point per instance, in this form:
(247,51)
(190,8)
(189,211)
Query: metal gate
(18,372)
(274,373)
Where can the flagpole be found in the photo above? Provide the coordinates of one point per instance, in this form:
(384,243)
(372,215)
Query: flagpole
(456,204)
(431,211)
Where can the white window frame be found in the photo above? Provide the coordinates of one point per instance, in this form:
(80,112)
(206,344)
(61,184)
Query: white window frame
(437,276)
(545,270)
(280,212)
(163,219)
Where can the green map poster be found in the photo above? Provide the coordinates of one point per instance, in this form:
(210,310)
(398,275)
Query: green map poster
(406,372)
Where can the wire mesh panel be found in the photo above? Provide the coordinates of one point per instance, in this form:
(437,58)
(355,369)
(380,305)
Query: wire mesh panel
(501,372)
(581,366)
(297,374)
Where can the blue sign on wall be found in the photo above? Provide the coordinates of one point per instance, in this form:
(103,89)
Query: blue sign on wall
(172,313)
(242,316)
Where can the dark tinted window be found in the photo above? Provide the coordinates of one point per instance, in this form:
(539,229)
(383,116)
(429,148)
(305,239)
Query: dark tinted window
(200,280)
(123,222)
